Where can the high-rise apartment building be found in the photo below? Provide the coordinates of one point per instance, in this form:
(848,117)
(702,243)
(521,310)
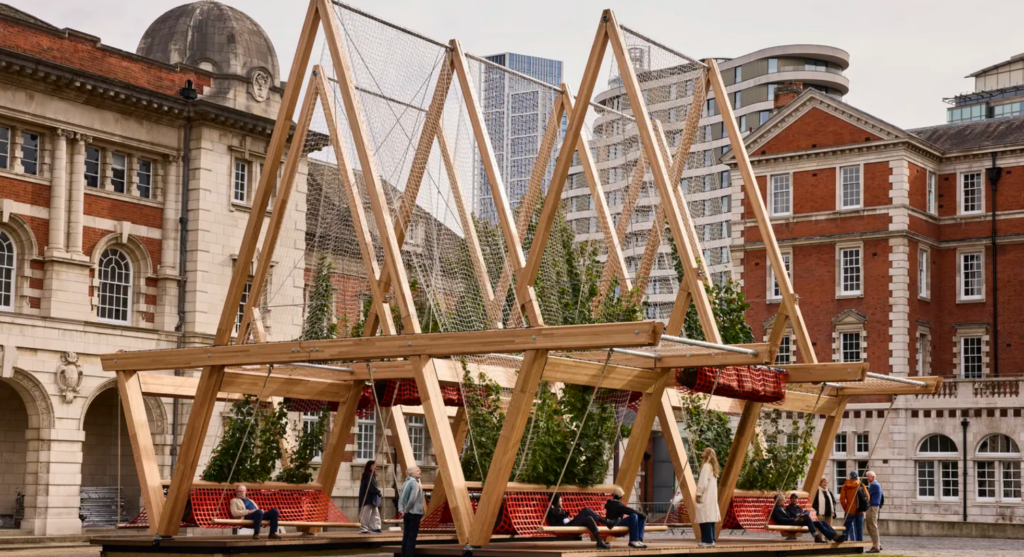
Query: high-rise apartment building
(751,81)
(516,111)
(998,93)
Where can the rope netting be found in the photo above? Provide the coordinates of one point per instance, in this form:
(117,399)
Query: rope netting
(746,512)
(753,383)
(522,513)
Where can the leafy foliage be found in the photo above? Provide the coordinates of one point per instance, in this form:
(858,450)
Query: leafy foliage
(705,428)
(429,322)
(311,443)
(486,418)
(785,456)
(258,452)
(319,323)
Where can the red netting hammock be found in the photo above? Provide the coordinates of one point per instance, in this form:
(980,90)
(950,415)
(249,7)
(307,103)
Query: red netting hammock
(298,505)
(747,512)
(389,392)
(753,383)
(522,513)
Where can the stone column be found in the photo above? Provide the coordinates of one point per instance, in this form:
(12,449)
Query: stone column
(167,273)
(58,194)
(76,200)
(53,479)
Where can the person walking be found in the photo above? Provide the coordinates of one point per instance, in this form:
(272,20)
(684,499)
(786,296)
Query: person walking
(410,504)
(708,513)
(825,502)
(875,500)
(854,500)
(370,499)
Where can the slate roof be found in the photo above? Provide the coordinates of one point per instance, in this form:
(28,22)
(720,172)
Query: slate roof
(984,134)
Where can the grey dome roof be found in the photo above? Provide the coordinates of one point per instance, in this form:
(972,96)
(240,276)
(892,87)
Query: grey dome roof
(209,33)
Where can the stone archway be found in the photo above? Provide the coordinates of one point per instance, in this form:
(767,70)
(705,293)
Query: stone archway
(38,439)
(14,422)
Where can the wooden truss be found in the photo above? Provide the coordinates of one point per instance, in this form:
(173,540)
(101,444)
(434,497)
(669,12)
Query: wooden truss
(228,369)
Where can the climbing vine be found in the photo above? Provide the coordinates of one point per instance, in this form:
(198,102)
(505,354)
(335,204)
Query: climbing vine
(258,452)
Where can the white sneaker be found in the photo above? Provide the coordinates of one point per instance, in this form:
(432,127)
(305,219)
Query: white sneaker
(637,545)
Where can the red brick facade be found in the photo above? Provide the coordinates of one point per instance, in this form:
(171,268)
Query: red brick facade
(893,226)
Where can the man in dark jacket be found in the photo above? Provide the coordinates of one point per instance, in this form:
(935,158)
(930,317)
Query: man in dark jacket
(794,515)
(588,518)
(615,509)
(824,503)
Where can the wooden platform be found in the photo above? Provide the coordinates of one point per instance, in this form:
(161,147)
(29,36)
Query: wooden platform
(748,547)
(325,543)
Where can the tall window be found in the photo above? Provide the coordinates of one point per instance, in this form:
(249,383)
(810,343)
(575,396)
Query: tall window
(922,272)
(366,438)
(998,469)
(931,193)
(145,179)
(773,282)
(924,346)
(849,271)
(241,304)
(737,99)
(711,107)
(850,187)
(850,347)
(773,65)
(970,193)
(840,472)
(938,469)
(763,116)
(863,446)
(92,167)
(7,263)
(738,74)
(5,147)
(771,91)
(115,287)
(743,123)
(309,421)
(785,354)
(971,364)
(30,153)
(782,195)
(118,171)
(417,436)
(972,278)
(241,182)
(839,447)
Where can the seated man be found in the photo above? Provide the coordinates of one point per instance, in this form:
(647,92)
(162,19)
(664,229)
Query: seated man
(615,509)
(588,518)
(243,507)
(794,515)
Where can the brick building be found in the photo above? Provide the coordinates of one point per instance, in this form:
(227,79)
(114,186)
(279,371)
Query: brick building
(904,246)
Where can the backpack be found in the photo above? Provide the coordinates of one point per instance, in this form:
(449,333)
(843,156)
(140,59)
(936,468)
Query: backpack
(862,500)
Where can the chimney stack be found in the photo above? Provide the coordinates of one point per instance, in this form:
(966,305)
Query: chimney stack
(787,92)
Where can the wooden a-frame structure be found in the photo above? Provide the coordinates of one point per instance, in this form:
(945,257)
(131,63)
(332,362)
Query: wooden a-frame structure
(412,355)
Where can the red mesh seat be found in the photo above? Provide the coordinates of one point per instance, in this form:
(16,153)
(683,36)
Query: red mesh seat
(746,512)
(205,505)
(522,512)
(753,383)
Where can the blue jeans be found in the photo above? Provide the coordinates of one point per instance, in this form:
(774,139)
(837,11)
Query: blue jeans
(854,527)
(707,532)
(825,529)
(636,526)
(257,517)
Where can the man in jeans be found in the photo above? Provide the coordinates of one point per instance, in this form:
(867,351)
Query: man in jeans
(875,499)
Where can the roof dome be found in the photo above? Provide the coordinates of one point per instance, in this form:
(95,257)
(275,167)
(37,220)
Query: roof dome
(212,36)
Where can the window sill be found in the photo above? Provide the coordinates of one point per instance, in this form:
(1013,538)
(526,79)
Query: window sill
(939,501)
(123,197)
(25,177)
(927,298)
(970,300)
(773,301)
(849,296)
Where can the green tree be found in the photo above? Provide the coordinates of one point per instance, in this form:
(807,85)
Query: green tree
(782,459)
(319,323)
(310,444)
(486,418)
(705,428)
(255,449)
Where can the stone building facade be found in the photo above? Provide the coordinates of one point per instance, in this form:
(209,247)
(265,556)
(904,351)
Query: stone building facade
(903,246)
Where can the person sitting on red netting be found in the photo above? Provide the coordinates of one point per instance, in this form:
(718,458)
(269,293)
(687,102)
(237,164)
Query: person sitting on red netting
(615,509)
(588,518)
(794,515)
(243,507)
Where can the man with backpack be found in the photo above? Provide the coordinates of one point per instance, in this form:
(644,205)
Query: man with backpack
(854,498)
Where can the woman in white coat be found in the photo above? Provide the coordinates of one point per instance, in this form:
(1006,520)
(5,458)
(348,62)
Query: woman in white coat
(707,497)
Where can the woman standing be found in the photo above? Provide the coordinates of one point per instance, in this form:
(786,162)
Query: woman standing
(369,500)
(708,513)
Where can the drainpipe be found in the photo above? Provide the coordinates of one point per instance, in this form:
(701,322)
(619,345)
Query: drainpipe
(189,94)
(963,484)
(994,173)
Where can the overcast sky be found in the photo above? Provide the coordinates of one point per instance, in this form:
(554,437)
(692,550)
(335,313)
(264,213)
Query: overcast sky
(905,55)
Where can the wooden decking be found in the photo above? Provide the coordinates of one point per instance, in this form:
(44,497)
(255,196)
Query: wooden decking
(326,543)
(748,547)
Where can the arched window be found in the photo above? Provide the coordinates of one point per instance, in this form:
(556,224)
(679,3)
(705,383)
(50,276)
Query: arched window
(938,469)
(8,261)
(997,469)
(115,278)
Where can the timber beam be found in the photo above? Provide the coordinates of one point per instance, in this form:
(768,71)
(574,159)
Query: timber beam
(933,384)
(831,372)
(237,383)
(570,337)
(716,358)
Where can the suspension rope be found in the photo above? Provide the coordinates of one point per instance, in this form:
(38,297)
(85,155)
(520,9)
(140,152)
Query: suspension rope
(880,429)
(248,428)
(384,427)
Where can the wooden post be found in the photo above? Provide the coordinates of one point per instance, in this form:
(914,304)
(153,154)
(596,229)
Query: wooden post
(824,449)
(426,379)
(516,416)
(669,199)
(209,382)
(650,405)
(755,202)
(459,429)
(737,454)
(142,446)
(680,460)
(334,449)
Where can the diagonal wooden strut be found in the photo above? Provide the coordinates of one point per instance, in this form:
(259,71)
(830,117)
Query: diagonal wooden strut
(209,383)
